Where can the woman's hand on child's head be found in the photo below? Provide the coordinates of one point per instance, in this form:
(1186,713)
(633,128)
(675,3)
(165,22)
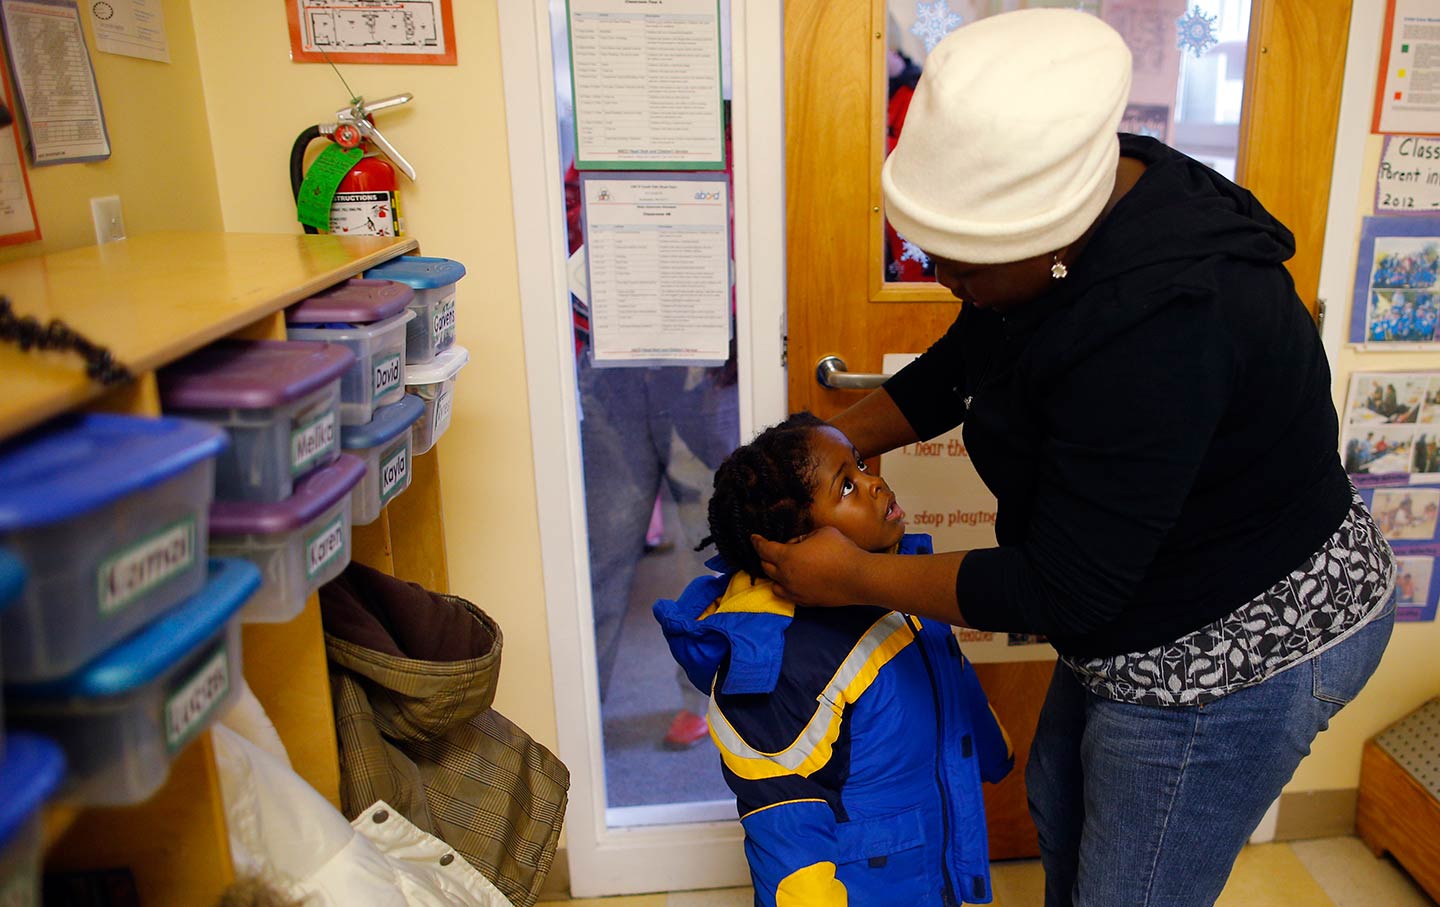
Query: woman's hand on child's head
(818,568)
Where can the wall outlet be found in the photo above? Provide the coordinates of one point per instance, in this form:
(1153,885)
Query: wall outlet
(109,222)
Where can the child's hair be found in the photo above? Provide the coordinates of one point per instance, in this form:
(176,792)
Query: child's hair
(766,488)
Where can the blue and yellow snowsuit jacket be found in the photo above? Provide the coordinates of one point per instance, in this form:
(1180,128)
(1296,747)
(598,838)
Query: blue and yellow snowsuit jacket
(855,740)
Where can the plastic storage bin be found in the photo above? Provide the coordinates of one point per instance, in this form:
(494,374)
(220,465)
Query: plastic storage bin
(384,444)
(298,543)
(108,516)
(12,580)
(277,399)
(433,280)
(368,317)
(122,718)
(434,382)
(29,774)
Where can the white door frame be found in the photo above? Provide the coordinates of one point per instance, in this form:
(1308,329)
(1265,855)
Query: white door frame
(604,860)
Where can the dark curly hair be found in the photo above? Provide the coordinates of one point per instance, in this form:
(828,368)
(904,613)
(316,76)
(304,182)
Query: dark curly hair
(766,488)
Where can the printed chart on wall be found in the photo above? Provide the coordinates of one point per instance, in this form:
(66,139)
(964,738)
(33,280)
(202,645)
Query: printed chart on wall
(55,81)
(1397,283)
(646,80)
(658,252)
(1391,447)
(1408,88)
(371,31)
(943,497)
(18,223)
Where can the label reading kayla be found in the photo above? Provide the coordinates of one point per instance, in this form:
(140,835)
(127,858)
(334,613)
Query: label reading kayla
(311,442)
(385,375)
(394,472)
(194,700)
(322,548)
(442,322)
(126,576)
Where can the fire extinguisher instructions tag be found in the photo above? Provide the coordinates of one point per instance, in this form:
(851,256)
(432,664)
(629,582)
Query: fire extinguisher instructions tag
(443,322)
(321,180)
(312,442)
(322,548)
(386,374)
(442,415)
(363,214)
(394,471)
(195,698)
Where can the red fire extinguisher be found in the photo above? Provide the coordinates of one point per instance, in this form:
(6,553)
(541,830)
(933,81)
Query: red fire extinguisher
(366,200)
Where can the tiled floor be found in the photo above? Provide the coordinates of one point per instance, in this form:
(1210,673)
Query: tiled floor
(1332,872)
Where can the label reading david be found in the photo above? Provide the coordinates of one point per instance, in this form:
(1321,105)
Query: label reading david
(394,472)
(385,375)
(442,322)
(442,416)
(190,705)
(322,548)
(312,442)
(145,565)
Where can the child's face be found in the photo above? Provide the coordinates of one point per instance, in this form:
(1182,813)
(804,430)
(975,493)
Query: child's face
(849,497)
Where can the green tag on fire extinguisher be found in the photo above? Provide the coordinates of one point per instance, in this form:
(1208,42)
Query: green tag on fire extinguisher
(323,178)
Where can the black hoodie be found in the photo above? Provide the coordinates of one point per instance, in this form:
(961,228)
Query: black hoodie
(1158,429)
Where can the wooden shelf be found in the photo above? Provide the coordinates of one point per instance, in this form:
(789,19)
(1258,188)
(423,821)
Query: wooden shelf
(151,299)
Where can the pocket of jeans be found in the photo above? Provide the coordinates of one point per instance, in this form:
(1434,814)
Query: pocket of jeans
(1341,671)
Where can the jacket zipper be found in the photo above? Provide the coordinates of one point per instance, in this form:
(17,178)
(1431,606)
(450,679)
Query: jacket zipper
(950,899)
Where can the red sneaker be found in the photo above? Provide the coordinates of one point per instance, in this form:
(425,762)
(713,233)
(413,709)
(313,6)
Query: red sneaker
(686,730)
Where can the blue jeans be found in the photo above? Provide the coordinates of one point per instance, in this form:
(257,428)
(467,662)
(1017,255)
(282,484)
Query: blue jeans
(1144,806)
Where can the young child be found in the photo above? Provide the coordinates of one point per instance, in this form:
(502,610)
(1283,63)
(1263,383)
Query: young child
(855,739)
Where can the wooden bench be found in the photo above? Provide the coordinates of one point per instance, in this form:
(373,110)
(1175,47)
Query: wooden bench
(1399,804)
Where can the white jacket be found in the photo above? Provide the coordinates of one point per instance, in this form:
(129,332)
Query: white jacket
(284,832)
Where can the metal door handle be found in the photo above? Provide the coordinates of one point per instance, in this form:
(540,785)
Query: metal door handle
(831,373)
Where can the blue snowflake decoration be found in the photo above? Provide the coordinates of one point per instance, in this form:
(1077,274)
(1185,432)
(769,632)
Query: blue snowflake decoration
(912,252)
(1196,32)
(933,21)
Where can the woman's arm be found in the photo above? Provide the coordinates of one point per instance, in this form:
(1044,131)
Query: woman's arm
(826,568)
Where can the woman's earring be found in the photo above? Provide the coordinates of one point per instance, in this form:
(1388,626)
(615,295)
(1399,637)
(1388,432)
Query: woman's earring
(1058,271)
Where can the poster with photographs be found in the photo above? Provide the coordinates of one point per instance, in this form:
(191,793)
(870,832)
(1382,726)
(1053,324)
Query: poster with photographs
(1397,300)
(1390,442)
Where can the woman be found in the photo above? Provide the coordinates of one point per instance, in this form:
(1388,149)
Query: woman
(1149,401)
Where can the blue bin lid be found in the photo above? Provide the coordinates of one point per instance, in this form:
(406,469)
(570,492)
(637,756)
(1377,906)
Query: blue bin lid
(388,422)
(80,462)
(419,272)
(12,579)
(145,654)
(31,771)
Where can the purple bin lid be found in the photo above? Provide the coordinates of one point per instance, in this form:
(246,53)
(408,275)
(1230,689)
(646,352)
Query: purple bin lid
(356,301)
(313,495)
(251,374)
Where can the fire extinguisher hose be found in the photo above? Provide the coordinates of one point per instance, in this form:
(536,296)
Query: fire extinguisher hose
(297,163)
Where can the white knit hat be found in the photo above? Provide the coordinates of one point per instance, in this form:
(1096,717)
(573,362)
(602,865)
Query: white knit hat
(1009,147)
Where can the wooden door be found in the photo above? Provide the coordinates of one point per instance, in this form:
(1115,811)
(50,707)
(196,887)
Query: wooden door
(835,93)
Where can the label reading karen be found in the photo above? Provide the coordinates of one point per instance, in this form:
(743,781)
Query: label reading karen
(322,548)
(394,472)
(145,565)
(312,442)
(441,420)
(385,375)
(196,697)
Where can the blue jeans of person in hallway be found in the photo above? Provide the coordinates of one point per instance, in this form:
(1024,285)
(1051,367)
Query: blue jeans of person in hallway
(627,419)
(1148,806)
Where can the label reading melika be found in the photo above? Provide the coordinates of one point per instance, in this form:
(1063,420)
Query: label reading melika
(442,321)
(394,472)
(126,576)
(385,375)
(312,442)
(322,548)
(187,709)
(442,416)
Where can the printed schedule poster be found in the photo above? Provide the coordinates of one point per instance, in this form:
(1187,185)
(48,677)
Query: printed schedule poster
(658,248)
(1408,87)
(55,81)
(645,77)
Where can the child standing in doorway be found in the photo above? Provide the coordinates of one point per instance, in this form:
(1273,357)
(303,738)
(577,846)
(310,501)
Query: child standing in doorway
(855,739)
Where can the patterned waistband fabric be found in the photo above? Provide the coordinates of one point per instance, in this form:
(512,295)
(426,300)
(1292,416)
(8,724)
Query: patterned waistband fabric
(1327,598)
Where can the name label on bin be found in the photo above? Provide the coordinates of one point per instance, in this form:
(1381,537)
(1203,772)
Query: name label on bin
(442,321)
(442,415)
(394,471)
(145,565)
(312,442)
(322,548)
(386,375)
(188,708)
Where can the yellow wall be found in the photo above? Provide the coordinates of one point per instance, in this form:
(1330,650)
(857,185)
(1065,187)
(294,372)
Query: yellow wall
(454,134)
(160,163)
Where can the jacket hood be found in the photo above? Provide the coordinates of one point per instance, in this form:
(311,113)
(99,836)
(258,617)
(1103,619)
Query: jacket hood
(432,659)
(728,618)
